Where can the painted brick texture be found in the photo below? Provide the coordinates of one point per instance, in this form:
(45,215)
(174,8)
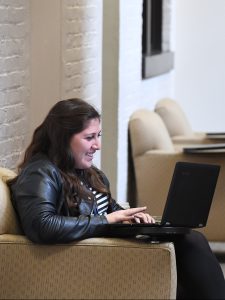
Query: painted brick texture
(14,79)
(81,42)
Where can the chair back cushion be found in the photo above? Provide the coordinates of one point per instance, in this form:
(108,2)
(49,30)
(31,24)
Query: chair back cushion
(148,132)
(174,117)
(8,219)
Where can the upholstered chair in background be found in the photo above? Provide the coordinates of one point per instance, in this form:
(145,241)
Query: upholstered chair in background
(154,157)
(178,125)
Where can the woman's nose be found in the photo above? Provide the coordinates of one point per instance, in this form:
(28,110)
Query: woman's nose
(97,144)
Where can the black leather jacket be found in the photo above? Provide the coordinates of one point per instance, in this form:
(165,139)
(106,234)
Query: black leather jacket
(38,199)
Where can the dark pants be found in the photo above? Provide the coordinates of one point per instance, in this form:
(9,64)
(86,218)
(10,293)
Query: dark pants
(199,274)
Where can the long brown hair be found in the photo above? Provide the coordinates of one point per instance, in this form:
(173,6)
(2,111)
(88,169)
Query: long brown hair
(52,138)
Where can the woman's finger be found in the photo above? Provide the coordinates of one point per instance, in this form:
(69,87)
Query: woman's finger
(145,218)
(142,217)
(133,211)
(137,220)
(150,219)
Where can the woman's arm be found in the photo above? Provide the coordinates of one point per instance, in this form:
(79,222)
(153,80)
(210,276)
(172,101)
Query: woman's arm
(117,214)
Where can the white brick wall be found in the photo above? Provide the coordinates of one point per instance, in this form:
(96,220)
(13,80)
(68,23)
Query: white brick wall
(14,79)
(81,53)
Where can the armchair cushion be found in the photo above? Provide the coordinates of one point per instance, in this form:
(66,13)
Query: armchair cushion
(148,131)
(177,124)
(97,268)
(8,219)
(174,117)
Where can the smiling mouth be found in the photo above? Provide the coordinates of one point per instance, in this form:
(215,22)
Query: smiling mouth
(91,155)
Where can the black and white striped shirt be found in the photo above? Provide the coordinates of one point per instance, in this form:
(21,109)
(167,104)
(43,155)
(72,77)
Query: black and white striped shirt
(102,202)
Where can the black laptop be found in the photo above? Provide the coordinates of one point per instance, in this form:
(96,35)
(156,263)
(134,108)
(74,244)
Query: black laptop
(187,206)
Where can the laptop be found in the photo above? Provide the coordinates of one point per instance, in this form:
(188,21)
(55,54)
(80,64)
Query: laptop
(187,206)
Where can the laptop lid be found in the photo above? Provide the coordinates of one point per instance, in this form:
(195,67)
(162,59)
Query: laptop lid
(190,195)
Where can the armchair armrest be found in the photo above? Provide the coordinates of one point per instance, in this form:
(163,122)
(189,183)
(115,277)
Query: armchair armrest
(197,138)
(97,268)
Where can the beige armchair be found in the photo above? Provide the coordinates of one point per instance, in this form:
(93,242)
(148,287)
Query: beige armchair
(154,158)
(95,268)
(178,126)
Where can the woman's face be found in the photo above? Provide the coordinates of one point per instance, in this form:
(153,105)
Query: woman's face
(85,144)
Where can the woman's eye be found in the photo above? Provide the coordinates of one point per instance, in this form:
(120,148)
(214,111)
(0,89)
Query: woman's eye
(89,138)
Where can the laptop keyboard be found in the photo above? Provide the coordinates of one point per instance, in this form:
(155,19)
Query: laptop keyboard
(157,219)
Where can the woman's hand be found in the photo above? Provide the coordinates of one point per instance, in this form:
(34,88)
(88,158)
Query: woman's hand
(143,218)
(135,215)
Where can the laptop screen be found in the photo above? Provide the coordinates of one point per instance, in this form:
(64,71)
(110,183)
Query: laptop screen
(190,194)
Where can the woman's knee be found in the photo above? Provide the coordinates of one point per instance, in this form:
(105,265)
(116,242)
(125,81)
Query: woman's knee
(196,236)
(193,240)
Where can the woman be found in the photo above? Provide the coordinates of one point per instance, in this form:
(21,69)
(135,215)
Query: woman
(60,196)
